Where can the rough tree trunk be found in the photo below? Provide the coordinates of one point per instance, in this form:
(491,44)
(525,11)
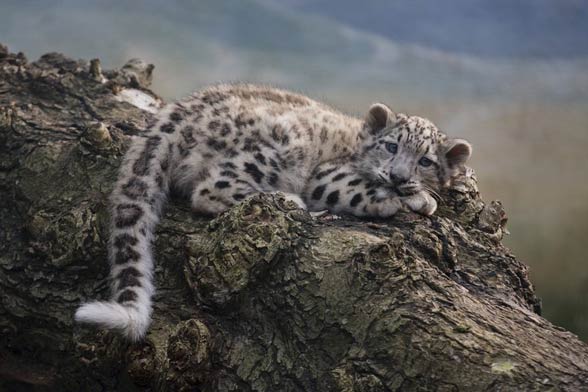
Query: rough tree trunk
(262,298)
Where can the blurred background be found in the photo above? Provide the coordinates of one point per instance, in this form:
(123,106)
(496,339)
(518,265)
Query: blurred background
(511,76)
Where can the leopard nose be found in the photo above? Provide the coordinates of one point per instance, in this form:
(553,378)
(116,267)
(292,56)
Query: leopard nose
(398,179)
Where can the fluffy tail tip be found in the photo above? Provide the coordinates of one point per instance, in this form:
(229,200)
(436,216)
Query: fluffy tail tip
(130,321)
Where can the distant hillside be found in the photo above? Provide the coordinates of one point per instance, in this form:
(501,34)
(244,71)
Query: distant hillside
(540,29)
(196,43)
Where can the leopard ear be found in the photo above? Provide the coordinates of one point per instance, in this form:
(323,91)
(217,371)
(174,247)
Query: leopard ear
(379,116)
(457,153)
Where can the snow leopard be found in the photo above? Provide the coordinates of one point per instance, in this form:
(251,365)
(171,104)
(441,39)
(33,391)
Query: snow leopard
(227,142)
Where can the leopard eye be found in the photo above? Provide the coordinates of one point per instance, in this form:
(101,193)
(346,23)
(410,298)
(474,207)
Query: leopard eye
(425,162)
(392,147)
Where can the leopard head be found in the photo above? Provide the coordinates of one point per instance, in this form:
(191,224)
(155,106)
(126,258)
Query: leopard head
(409,153)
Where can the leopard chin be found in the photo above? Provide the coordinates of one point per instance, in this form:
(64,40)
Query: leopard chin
(408,190)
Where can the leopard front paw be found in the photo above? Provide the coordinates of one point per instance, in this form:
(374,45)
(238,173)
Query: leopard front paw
(422,203)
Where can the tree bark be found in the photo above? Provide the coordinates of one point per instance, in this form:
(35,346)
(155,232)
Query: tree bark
(263,297)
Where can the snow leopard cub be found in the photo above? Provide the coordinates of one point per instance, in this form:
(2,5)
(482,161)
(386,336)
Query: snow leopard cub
(228,142)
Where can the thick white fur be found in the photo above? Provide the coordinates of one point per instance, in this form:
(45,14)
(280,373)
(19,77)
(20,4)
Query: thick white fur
(132,321)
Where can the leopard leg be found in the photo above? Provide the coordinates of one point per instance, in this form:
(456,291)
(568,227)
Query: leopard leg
(340,190)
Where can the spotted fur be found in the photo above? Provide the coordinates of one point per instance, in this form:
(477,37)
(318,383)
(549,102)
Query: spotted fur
(228,142)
